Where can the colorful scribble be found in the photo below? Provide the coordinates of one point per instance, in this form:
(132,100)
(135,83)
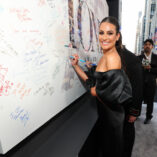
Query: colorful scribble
(36,42)
(46,89)
(21,13)
(68,77)
(3,73)
(51,3)
(7,87)
(26,31)
(20,115)
(6,47)
(35,59)
(20,90)
(41,3)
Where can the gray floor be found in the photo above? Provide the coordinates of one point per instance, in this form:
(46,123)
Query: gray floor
(146,136)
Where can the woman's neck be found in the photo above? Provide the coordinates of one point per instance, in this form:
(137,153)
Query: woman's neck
(113,50)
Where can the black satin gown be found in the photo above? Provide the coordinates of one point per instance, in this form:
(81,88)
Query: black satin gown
(114,91)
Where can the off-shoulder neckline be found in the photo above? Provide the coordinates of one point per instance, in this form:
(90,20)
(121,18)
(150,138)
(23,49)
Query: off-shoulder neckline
(109,70)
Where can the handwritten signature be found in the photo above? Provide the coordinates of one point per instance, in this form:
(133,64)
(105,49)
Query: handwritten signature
(20,115)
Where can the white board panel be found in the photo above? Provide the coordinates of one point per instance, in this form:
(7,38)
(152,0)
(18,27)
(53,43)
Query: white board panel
(37,80)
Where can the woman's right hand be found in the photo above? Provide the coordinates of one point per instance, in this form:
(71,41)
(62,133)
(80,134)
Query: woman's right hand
(74,60)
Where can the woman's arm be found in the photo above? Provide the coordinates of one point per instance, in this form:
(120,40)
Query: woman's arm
(79,71)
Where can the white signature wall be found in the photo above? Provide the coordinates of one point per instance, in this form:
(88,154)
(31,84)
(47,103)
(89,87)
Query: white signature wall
(37,80)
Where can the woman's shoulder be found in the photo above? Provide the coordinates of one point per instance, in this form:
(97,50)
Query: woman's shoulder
(113,61)
(109,62)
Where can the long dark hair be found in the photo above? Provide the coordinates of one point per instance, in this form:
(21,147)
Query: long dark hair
(119,47)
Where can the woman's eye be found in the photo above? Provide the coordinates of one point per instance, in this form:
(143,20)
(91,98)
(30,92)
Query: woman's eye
(101,33)
(110,33)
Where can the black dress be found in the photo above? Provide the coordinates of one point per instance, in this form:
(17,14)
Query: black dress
(114,91)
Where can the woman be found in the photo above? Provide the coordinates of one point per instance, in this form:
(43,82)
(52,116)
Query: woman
(110,85)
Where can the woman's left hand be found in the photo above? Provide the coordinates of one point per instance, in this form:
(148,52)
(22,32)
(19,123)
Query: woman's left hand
(93,91)
(131,119)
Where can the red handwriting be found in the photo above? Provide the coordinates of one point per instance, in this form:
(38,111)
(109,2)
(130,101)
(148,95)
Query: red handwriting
(3,73)
(5,85)
(20,89)
(9,88)
(26,31)
(36,42)
(22,14)
(41,2)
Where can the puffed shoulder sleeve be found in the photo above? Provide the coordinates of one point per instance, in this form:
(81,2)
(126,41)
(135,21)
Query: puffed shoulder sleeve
(113,87)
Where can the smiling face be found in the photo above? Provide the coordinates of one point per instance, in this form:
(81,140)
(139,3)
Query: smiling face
(108,36)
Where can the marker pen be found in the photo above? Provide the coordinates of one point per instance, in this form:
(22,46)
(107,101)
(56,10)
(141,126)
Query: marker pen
(66,46)
(83,61)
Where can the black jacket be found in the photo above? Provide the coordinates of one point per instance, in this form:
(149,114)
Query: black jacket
(133,68)
(150,75)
